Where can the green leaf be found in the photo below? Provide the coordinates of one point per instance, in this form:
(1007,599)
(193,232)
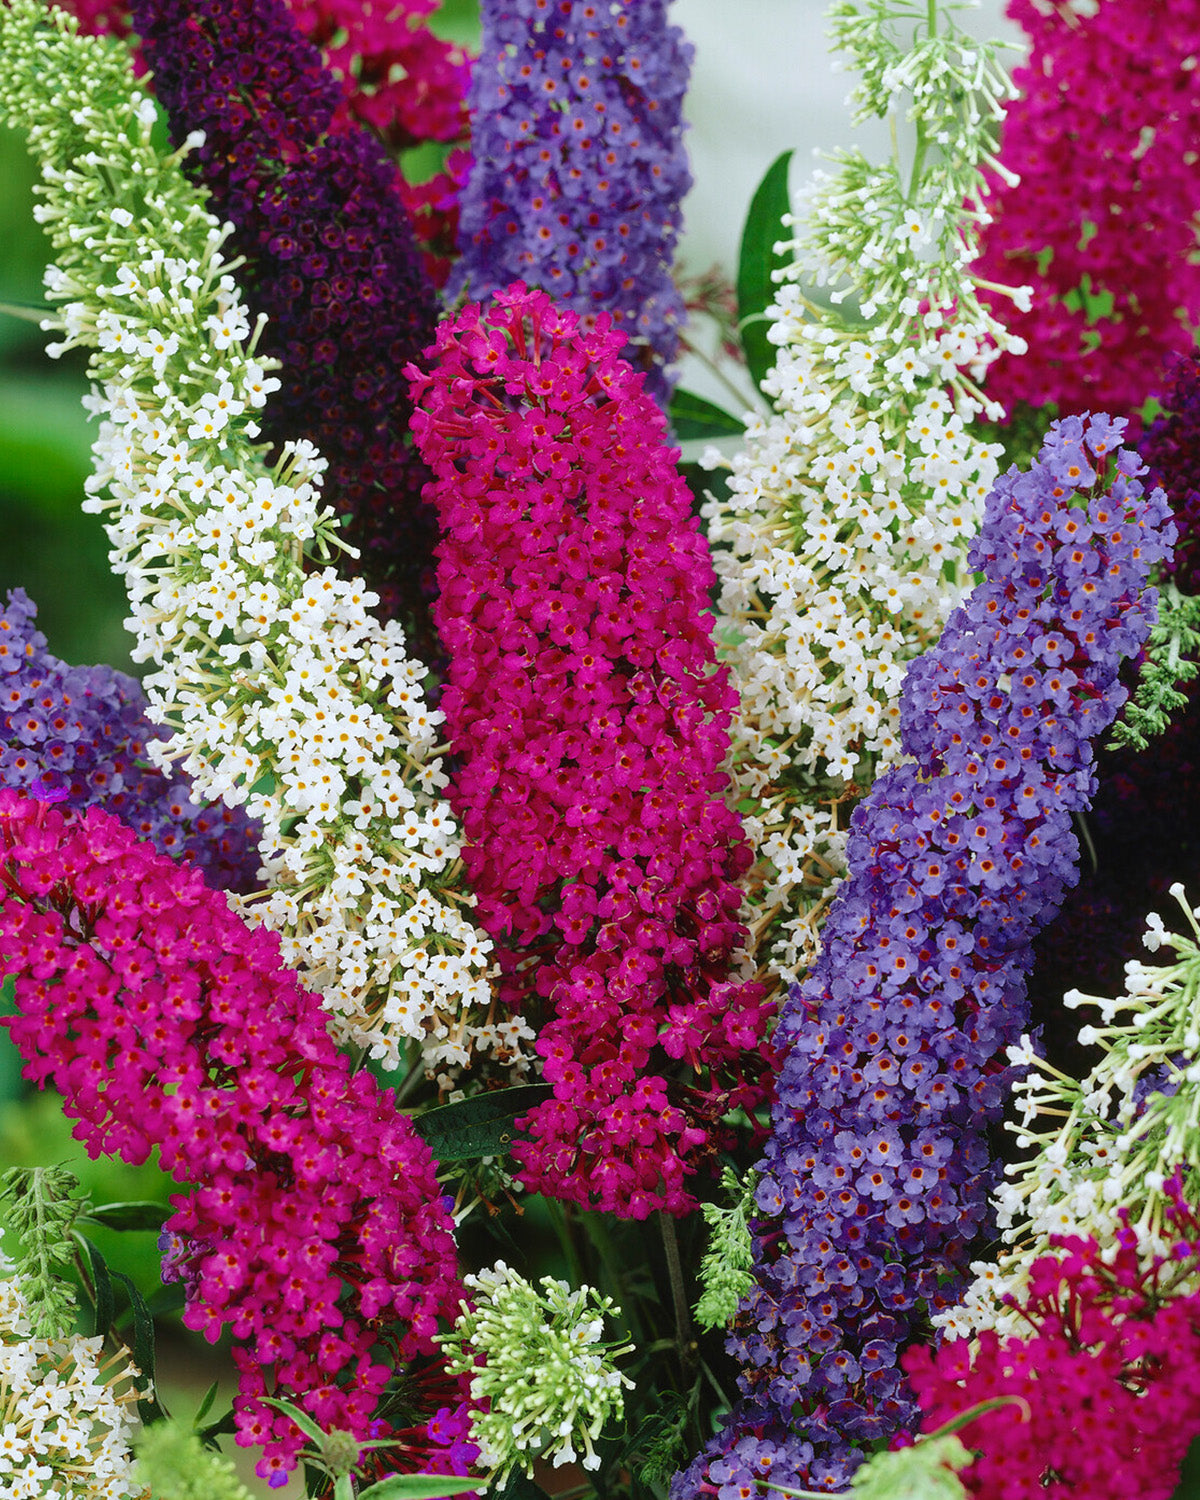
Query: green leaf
(301,1418)
(482,1126)
(757,259)
(206,1405)
(419,1487)
(102,1288)
(220,1428)
(136,1214)
(150,1409)
(694,417)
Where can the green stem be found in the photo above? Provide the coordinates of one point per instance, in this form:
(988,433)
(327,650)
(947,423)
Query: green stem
(688,1348)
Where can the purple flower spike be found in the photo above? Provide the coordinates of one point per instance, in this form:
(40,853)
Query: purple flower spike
(78,735)
(576,112)
(877,1173)
(329,257)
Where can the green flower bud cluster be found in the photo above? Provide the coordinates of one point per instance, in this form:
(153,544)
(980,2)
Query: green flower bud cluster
(1170,660)
(725,1269)
(536,1358)
(40,1204)
(174,1463)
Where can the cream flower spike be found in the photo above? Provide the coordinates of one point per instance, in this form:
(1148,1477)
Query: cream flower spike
(841,542)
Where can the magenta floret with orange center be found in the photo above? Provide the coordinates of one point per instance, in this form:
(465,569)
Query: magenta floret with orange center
(589,723)
(316,1230)
(1099,213)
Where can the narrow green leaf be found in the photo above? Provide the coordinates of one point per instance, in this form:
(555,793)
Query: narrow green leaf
(301,1418)
(150,1409)
(102,1288)
(694,417)
(342,1488)
(482,1126)
(419,1487)
(757,259)
(206,1405)
(135,1214)
(222,1427)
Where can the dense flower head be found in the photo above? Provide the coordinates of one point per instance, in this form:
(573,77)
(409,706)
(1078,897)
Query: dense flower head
(404,82)
(315,1228)
(540,1374)
(579,165)
(407,86)
(284,692)
(1106,1355)
(877,1172)
(589,725)
(329,258)
(66,1417)
(1095,201)
(80,734)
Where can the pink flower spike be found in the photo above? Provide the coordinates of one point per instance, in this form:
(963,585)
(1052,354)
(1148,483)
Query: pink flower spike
(589,722)
(167,1023)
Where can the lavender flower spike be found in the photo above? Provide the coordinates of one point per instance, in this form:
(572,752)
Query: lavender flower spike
(576,114)
(79,734)
(877,1174)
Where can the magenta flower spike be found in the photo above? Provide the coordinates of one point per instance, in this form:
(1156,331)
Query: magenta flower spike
(1101,223)
(315,1229)
(589,721)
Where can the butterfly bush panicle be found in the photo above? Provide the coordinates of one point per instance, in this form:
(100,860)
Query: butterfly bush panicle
(1104,1353)
(1171,447)
(66,1410)
(576,113)
(1102,1150)
(283,692)
(877,1172)
(328,256)
(589,724)
(80,734)
(167,1023)
(1094,201)
(841,542)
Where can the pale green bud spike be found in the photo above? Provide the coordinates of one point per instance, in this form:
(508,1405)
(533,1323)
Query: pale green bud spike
(725,1269)
(550,1380)
(40,1206)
